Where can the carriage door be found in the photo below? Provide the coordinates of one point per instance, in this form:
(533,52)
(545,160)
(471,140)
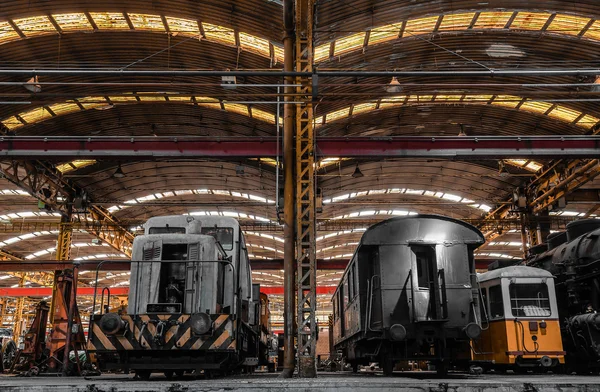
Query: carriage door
(147,277)
(374,306)
(425,285)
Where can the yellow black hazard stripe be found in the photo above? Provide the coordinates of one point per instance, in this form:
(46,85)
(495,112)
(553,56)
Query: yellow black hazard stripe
(177,334)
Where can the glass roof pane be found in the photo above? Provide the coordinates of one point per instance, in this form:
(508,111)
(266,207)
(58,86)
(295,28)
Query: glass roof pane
(110,20)
(72,22)
(7,33)
(219,34)
(454,22)
(420,26)
(254,44)
(35,26)
(146,22)
(349,43)
(567,24)
(384,33)
(492,20)
(185,27)
(529,21)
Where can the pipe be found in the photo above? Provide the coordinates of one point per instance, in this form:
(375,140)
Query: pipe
(290,73)
(289,256)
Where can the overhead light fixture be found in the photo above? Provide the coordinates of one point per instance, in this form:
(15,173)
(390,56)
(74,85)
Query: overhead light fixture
(228,82)
(394,86)
(32,86)
(118,173)
(502,169)
(462,131)
(357,173)
(104,107)
(239,170)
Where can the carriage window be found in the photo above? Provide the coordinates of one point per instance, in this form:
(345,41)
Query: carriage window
(426,263)
(167,230)
(529,299)
(345,287)
(496,303)
(483,305)
(222,234)
(335,305)
(351,288)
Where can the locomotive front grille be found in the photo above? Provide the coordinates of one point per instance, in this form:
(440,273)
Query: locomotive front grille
(161,332)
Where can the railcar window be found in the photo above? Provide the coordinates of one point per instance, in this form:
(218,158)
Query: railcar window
(222,234)
(351,288)
(167,230)
(426,263)
(345,288)
(529,300)
(496,303)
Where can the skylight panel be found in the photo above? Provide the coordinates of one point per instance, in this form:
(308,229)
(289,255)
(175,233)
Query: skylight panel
(7,33)
(236,108)
(536,107)
(594,31)
(254,44)
(64,108)
(72,22)
(321,52)
(492,20)
(533,21)
(384,33)
(420,26)
(264,116)
(364,107)
(35,115)
(349,43)
(145,22)
(456,22)
(508,101)
(567,24)
(338,114)
(110,20)
(588,121)
(564,114)
(185,27)
(219,34)
(12,123)
(35,26)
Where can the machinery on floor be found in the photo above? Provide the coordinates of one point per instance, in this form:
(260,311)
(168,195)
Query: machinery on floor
(520,321)
(410,293)
(192,306)
(573,257)
(57,352)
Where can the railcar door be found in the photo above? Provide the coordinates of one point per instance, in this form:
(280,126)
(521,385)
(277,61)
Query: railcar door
(425,284)
(374,307)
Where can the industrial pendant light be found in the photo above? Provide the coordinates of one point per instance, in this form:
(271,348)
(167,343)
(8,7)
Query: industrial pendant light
(357,173)
(119,172)
(502,169)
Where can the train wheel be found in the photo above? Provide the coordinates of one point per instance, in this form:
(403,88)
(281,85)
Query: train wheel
(169,374)
(143,374)
(388,366)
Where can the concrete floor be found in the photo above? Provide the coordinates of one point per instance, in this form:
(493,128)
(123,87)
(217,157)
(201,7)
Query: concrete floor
(327,382)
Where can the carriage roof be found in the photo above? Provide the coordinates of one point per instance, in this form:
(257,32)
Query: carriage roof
(516,271)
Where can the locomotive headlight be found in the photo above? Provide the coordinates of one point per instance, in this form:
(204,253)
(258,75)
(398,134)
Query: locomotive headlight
(111,323)
(472,330)
(398,332)
(200,323)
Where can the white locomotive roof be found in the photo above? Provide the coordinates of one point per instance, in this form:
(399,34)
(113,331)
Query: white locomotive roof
(183,221)
(517,271)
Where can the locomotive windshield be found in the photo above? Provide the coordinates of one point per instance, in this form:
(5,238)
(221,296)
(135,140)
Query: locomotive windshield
(167,230)
(529,300)
(222,234)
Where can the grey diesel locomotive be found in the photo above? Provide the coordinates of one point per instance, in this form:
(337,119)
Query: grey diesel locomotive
(192,305)
(573,257)
(410,293)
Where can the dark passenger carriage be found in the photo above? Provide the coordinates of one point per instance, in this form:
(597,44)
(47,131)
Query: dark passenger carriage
(410,293)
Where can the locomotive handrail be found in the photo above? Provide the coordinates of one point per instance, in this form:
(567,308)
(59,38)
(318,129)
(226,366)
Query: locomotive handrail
(442,275)
(370,303)
(487,319)
(107,289)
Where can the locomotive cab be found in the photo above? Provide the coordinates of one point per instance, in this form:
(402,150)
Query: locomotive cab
(520,318)
(191,305)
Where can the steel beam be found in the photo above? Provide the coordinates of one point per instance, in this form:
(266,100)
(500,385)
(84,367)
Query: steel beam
(20,292)
(45,183)
(451,147)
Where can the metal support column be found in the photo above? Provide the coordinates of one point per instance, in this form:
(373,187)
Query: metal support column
(289,183)
(305,194)
(18,318)
(63,251)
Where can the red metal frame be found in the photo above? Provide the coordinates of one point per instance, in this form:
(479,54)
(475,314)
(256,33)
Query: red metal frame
(465,147)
